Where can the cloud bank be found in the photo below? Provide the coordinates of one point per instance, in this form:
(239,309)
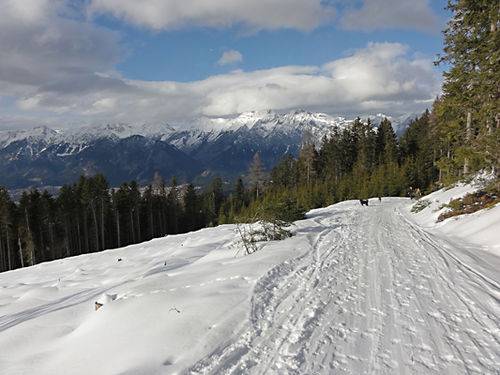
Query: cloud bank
(389,14)
(377,78)
(253,15)
(57,66)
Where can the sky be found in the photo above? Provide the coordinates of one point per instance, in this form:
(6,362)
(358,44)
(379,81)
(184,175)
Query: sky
(66,63)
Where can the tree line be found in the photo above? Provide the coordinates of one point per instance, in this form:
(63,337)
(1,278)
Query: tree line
(459,136)
(88,216)
(358,161)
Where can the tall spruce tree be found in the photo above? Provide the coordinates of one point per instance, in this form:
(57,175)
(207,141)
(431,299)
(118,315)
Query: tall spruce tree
(472,83)
(257,174)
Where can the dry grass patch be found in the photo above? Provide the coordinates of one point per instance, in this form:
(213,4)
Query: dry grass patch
(472,202)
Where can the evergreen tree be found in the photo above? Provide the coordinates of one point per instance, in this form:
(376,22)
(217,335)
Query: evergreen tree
(472,85)
(192,209)
(214,198)
(256,174)
(173,207)
(239,198)
(386,149)
(308,156)
(7,256)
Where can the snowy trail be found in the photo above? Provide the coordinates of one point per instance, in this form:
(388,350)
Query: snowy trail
(377,294)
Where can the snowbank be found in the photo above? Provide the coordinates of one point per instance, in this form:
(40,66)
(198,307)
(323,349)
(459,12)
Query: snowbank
(480,229)
(166,303)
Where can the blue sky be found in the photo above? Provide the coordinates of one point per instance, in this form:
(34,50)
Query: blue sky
(88,61)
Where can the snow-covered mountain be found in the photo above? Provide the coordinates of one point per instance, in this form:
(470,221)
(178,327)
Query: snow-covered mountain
(198,151)
(207,147)
(265,125)
(356,290)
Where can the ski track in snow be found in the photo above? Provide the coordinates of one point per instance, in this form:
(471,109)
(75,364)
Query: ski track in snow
(376,295)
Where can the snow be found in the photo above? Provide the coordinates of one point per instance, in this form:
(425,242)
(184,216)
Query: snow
(191,135)
(41,134)
(374,289)
(479,228)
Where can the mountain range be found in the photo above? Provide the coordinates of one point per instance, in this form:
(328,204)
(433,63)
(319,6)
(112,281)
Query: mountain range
(208,147)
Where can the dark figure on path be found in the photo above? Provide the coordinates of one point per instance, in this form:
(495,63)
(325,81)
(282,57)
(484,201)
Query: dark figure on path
(380,199)
(411,193)
(364,202)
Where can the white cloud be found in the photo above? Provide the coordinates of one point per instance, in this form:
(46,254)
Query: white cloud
(253,15)
(230,57)
(386,14)
(377,78)
(42,51)
(49,70)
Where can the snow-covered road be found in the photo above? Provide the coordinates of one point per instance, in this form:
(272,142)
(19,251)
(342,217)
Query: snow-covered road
(377,295)
(357,290)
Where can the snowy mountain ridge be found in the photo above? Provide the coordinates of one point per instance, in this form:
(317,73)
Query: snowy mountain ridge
(195,152)
(262,122)
(83,135)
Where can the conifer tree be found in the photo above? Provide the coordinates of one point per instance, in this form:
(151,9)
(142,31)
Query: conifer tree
(6,234)
(308,156)
(239,197)
(472,84)
(192,209)
(256,174)
(173,207)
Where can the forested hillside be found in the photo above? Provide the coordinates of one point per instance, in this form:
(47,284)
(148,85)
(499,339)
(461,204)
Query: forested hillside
(459,136)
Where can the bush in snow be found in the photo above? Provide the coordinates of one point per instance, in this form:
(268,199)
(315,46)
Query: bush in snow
(269,223)
(420,205)
(484,198)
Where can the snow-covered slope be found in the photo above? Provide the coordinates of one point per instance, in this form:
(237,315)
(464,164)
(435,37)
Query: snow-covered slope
(356,290)
(81,136)
(289,127)
(40,134)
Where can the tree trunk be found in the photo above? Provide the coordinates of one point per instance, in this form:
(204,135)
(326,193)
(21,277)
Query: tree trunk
(9,257)
(20,247)
(3,258)
(85,247)
(118,228)
(151,219)
(103,243)
(96,225)
(66,236)
(30,237)
(52,244)
(138,223)
(468,137)
(132,225)
(42,245)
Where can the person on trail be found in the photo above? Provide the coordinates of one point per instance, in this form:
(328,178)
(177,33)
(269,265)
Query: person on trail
(411,193)
(418,193)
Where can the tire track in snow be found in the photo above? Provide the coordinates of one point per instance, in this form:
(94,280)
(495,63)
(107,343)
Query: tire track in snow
(374,295)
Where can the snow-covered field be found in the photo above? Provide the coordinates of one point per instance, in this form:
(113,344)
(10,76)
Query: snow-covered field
(357,290)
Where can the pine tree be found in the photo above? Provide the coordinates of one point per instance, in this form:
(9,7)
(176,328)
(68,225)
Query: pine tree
(6,234)
(173,207)
(239,197)
(192,209)
(308,156)
(472,84)
(256,174)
